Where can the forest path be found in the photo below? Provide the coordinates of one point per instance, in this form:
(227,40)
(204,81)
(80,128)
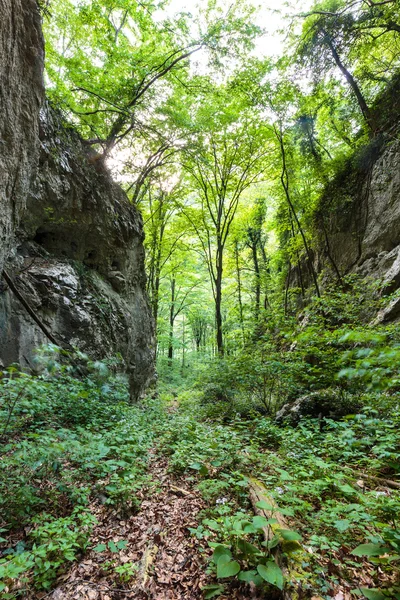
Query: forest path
(166,558)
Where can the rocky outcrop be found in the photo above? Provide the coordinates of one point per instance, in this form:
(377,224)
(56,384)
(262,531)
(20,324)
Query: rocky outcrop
(330,403)
(79,263)
(357,223)
(21,94)
(361,215)
(72,242)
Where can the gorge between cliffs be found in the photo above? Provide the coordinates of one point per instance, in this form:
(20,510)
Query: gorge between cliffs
(199,300)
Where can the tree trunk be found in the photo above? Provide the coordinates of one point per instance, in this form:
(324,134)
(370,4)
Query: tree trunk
(239,282)
(287,288)
(351,81)
(266,273)
(285,185)
(218,303)
(257,281)
(328,250)
(171,323)
(183,343)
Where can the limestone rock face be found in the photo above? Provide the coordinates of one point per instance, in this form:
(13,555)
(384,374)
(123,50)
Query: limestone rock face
(382,231)
(21,94)
(79,262)
(363,222)
(70,241)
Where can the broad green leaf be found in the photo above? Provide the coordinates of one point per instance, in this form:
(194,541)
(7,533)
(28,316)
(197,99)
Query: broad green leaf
(272,543)
(196,466)
(265,506)
(247,548)
(342,525)
(212,591)
(271,573)
(250,577)
(259,522)
(370,550)
(249,529)
(373,594)
(289,536)
(211,524)
(221,551)
(100,548)
(226,567)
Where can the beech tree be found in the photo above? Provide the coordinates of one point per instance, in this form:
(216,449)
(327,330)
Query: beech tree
(227,160)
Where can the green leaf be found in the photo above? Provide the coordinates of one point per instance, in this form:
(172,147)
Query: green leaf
(347,489)
(342,525)
(260,522)
(271,573)
(211,524)
(112,546)
(250,577)
(289,536)
(221,551)
(227,567)
(265,506)
(272,543)
(211,591)
(369,550)
(249,528)
(372,594)
(100,548)
(247,548)
(196,466)
(122,544)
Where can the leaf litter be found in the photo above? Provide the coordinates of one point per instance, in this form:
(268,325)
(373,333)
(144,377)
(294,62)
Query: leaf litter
(166,560)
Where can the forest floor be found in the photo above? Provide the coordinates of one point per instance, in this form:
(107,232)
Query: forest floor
(155,504)
(156,540)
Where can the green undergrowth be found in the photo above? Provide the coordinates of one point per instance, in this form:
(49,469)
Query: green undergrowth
(67,444)
(70,441)
(317,475)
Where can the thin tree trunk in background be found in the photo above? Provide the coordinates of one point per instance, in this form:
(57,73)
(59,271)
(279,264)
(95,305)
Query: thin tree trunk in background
(287,288)
(257,278)
(183,343)
(218,301)
(328,251)
(171,322)
(239,282)
(266,271)
(303,291)
(285,185)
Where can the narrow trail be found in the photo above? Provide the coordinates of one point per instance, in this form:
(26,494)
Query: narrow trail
(158,542)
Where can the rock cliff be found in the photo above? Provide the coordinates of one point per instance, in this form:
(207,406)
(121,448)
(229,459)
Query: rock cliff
(361,216)
(21,94)
(74,245)
(358,221)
